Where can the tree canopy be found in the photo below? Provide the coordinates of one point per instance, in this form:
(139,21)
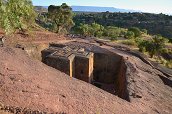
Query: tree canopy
(136,31)
(154,46)
(97,30)
(61,17)
(16,15)
(153,23)
(129,35)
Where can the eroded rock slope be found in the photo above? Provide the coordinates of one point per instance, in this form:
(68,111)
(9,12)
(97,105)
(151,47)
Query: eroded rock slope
(30,84)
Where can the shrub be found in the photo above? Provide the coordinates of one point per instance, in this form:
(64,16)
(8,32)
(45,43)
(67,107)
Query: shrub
(143,45)
(144,31)
(164,50)
(136,31)
(111,32)
(97,30)
(129,35)
(169,64)
(112,38)
(154,46)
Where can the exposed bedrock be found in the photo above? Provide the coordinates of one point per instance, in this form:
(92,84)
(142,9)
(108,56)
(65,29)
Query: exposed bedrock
(102,68)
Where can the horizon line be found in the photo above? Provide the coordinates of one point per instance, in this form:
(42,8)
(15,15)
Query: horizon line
(138,11)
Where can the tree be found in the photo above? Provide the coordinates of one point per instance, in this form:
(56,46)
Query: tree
(61,16)
(129,35)
(144,31)
(83,29)
(94,29)
(112,32)
(154,46)
(159,43)
(97,30)
(143,45)
(136,31)
(16,15)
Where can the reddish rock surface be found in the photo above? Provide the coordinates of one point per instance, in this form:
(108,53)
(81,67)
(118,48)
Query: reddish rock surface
(148,88)
(27,83)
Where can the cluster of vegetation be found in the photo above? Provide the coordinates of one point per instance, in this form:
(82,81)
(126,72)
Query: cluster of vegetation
(155,46)
(18,15)
(97,30)
(154,23)
(58,19)
(89,30)
(112,32)
(21,16)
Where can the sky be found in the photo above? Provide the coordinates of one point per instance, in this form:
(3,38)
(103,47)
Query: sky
(151,6)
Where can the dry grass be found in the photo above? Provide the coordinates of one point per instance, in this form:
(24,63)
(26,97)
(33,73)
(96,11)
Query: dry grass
(129,42)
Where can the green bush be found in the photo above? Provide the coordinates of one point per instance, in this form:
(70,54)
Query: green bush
(97,30)
(111,32)
(16,15)
(164,50)
(129,35)
(122,32)
(136,31)
(154,46)
(89,30)
(144,31)
(169,64)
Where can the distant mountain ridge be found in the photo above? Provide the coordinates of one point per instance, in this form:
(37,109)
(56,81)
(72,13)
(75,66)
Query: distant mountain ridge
(98,9)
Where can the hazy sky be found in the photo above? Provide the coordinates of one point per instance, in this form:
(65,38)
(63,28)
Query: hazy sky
(153,6)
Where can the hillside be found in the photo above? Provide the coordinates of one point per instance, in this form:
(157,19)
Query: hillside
(27,84)
(154,23)
(99,9)
(95,9)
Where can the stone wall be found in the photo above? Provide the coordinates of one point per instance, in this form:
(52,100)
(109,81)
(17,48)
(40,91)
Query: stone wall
(62,64)
(110,73)
(106,67)
(121,82)
(84,68)
(45,53)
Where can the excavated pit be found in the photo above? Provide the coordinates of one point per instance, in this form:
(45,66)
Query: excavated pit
(109,74)
(100,67)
